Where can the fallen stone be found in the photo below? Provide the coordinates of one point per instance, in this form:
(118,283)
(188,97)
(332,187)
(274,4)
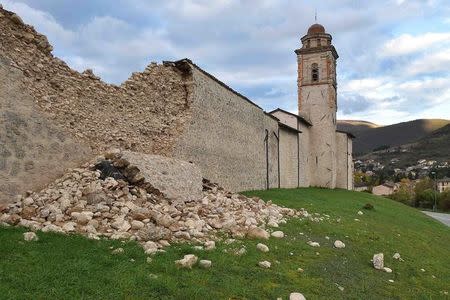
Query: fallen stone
(278,234)
(264,264)
(387,270)
(378,261)
(339,244)
(187,261)
(210,245)
(360,213)
(205,264)
(150,247)
(313,244)
(118,251)
(397,256)
(296,296)
(262,247)
(30,236)
(257,233)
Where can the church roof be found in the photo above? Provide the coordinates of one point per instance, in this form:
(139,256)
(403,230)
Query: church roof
(299,117)
(316,29)
(347,133)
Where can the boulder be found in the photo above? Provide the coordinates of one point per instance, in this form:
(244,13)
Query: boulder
(264,264)
(296,296)
(187,261)
(339,244)
(205,264)
(378,261)
(262,247)
(30,236)
(257,233)
(210,245)
(278,234)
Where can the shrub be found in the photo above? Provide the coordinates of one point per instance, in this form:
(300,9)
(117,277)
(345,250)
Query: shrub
(426,198)
(444,200)
(368,206)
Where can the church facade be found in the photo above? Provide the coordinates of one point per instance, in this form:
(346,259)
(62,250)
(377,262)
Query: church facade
(242,147)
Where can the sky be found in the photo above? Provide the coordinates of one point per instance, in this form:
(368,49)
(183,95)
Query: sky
(394,55)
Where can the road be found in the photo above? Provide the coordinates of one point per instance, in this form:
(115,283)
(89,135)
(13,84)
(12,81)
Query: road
(444,218)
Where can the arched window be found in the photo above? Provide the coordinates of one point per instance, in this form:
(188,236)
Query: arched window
(315,72)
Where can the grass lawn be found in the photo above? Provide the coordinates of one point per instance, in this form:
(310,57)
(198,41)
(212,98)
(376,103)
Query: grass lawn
(68,267)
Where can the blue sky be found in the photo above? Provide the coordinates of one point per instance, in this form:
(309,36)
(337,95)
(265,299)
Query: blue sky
(394,62)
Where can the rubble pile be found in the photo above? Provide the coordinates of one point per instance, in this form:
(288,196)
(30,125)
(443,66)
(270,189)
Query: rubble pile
(112,198)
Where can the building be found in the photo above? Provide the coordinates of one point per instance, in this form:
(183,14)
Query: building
(55,118)
(384,189)
(443,184)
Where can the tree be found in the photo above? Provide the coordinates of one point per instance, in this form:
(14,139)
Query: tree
(444,200)
(405,193)
(422,191)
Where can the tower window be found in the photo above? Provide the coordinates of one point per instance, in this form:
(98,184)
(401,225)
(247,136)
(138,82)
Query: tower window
(315,72)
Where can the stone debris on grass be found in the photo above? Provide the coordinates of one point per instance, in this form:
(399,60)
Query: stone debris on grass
(118,251)
(240,252)
(198,248)
(187,261)
(300,270)
(360,213)
(341,288)
(327,237)
(296,296)
(262,247)
(149,260)
(391,281)
(278,234)
(210,245)
(205,264)
(313,244)
(264,264)
(423,270)
(339,244)
(129,207)
(30,237)
(257,233)
(378,261)
(396,256)
(387,270)
(150,247)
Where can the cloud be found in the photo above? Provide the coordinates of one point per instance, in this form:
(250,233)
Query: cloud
(407,43)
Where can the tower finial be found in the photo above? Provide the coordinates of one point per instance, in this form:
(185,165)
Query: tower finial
(315,15)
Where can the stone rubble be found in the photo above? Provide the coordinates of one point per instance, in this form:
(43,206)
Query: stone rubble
(30,236)
(313,244)
(205,264)
(339,244)
(132,208)
(378,261)
(296,296)
(187,261)
(278,234)
(262,247)
(264,264)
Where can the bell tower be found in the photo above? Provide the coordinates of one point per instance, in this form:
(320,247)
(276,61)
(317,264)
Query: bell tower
(317,101)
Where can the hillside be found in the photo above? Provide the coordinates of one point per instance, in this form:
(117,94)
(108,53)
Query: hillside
(434,146)
(71,266)
(370,137)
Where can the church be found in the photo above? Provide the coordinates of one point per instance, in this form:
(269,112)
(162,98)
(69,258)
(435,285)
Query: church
(278,149)
(51,116)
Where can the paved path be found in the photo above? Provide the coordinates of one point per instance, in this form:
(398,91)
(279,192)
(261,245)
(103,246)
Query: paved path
(444,218)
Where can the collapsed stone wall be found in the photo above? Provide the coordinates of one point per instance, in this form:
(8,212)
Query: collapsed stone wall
(145,113)
(33,151)
(76,113)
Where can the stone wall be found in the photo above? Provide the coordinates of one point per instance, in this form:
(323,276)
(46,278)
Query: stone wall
(225,137)
(48,109)
(305,170)
(288,158)
(33,151)
(145,113)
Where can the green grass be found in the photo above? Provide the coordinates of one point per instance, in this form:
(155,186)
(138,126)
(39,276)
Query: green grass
(68,267)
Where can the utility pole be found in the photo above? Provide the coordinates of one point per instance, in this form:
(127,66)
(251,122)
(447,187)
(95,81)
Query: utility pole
(435,191)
